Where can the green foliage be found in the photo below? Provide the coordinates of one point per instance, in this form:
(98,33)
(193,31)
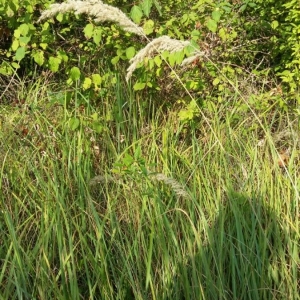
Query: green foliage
(238,38)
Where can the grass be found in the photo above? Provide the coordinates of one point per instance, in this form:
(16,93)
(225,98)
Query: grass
(87,213)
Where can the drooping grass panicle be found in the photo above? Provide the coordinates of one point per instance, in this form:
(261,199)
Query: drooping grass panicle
(174,184)
(155,46)
(191,59)
(100,11)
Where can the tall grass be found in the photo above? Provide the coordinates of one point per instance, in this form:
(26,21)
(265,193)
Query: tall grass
(83,215)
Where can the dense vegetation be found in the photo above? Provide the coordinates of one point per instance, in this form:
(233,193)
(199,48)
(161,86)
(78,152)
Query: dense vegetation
(180,182)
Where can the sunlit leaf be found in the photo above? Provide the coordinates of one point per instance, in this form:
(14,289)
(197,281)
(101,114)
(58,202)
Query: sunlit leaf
(74,123)
(74,73)
(136,14)
(20,53)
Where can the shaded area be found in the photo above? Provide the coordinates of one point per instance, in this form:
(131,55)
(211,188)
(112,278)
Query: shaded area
(243,255)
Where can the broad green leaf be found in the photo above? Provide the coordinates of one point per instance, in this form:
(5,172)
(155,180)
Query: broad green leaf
(88,30)
(96,78)
(97,35)
(130,52)
(148,27)
(216,15)
(252,4)
(179,56)
(38,57)
(146,7)
(74,123)
(128,160)
(157,60)
(24,40)
(97,126)
(136,14)
(43,46)
(30,8)
(151,64)
(115,60)
(223,34)
(274,24)
(74,73)
(15,65)
(139,86)
(20,53)
(63,55)
(212,25)
(185,115)
(15,45)
(195,34)
(24,29)
(87,83)
(60,17)
(9,12)
(17,33)
(54,63)
(216,81)
(172,59)
(243,7)
(94,116)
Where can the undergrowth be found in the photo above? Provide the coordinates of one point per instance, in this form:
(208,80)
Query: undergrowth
(123,200)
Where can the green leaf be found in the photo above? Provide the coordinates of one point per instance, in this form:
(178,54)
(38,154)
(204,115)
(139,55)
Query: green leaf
(87,83)
(94,116)
(38,57)
(54,63)
(146,7)
(252,4)
(74,73)
(17,33)
(172,59)
(136,14)
(24,40)
(96,78)
(88,30)
(212,25)
(130,52)
(185,115)
(97,36)
(157,60)
(274,24)
(243,7)
(60,17)
(74,123)
(139,86)
(43,46)
(63,56)
(115,60)
(15,45)
(223,34)
(97,126)
(148,27)
(24,29)
(216,15)
(128,160)
(179,56)
(20,53)
(216,81)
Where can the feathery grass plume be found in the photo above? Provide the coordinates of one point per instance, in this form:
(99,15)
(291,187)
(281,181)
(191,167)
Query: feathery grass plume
(191,59)
(96,8)
(175,185)
(157,45)
(101,179)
